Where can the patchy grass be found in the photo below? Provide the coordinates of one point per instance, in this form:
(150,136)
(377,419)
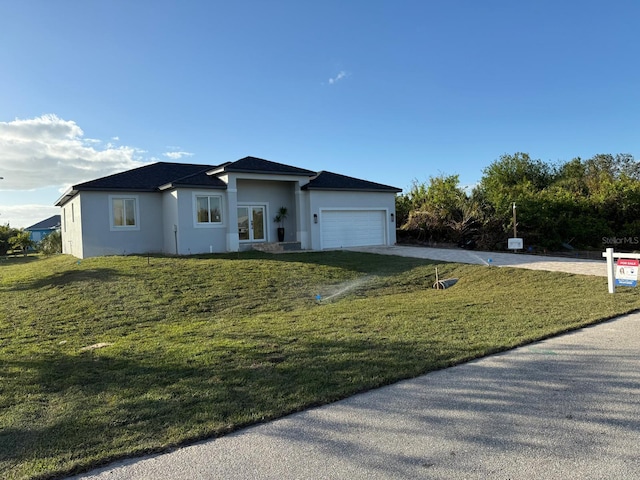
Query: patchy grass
(120,356)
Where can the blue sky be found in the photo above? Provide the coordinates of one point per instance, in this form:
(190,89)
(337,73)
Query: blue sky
(389,91)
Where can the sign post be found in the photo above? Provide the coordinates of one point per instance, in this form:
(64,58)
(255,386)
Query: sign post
(515,243)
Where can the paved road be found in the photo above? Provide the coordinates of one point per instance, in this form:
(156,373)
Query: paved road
(563,408)
(500,259)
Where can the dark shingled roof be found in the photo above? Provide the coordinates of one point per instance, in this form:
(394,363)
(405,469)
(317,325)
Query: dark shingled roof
(50,223)
(334,181)
(197,180)
(147,178)
(164,175)
(259,165)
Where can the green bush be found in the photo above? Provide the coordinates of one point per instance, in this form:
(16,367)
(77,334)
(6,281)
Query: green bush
(6,233)
(51,244)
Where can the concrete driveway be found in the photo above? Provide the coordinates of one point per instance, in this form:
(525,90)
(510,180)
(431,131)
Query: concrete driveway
(564,408)
(499,259)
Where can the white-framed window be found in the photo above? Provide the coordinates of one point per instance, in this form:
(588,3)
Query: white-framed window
(124,213)
(208,209)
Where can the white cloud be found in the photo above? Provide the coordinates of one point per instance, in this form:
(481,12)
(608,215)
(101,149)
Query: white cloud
(23,216)
(49,151)
(341,75)
(177,155)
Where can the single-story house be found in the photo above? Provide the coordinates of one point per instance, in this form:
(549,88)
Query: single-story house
(43,228)
(182,209)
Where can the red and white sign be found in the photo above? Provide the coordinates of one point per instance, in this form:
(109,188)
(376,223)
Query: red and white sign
(627,272)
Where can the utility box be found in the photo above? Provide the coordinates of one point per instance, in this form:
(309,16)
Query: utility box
(515,244)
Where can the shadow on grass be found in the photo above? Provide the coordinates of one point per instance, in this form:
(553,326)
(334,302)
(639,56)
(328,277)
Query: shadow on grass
(10,261)
(68,277)
(84,410)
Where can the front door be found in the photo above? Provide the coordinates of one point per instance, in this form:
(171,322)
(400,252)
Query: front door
(251,224)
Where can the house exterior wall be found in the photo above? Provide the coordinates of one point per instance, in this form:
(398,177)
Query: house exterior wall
(87,218)
(169,219)
(193,237)
(37,235)
(273,195)
(71,227)
(97,236)
(320,200)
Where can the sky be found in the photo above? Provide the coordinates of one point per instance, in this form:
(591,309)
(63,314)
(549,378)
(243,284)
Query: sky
(390,91)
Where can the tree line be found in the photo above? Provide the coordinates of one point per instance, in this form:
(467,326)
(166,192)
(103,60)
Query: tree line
(579,204)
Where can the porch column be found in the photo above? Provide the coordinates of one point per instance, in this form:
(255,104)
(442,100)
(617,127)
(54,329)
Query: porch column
(302,218)
(233,240)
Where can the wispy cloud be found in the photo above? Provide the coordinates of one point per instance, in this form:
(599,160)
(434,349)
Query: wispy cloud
(340,76)
(177,155)
(48,151)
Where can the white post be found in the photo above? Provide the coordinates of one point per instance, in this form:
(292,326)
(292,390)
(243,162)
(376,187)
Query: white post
(611,270)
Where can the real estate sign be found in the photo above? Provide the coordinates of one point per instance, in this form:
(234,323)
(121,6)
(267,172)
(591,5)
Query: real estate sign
(627,272)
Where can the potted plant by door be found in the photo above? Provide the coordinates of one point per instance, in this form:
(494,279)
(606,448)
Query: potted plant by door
(279,219)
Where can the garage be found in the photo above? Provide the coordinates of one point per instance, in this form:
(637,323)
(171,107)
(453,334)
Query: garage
(352,228)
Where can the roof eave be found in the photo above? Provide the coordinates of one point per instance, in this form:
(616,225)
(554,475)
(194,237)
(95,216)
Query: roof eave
(115,189)
(347,189)
(69,194)
(171,186)
(66,196)
(262,172)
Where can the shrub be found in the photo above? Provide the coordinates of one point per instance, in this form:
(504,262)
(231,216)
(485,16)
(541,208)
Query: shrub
(51,244)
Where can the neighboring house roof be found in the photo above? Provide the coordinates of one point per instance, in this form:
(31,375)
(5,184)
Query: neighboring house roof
(259,165)
(334,181)
(51,223)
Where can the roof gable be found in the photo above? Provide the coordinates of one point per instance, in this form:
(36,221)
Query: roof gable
(259,165)
(198,180)
(334,181)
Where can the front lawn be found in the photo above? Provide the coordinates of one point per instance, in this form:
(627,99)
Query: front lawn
(118,356)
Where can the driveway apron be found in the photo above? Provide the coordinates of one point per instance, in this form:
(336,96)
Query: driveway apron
(498,259)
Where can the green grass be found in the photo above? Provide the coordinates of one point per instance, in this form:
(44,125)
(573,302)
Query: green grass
(200,346)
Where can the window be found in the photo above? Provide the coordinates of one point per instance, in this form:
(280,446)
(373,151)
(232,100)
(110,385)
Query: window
(208,209)
(73,215)
(124,213)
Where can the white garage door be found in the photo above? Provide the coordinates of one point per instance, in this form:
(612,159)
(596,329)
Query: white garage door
(352,228)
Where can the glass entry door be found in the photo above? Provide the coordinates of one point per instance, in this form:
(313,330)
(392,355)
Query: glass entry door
(251,224)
